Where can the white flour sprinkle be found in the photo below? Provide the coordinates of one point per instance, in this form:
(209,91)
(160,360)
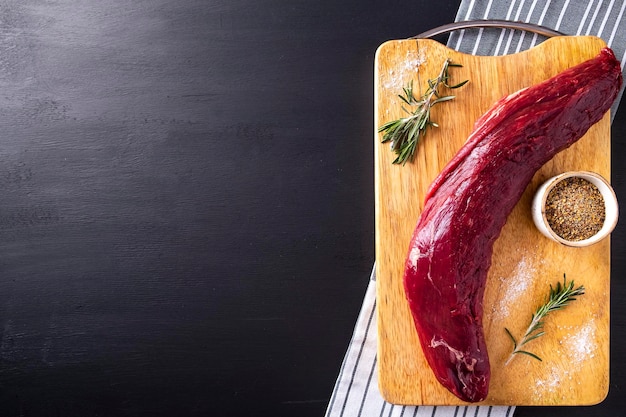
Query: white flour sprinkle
(581,346)
(516,285)
(399,75)
(578,347)
(551,383)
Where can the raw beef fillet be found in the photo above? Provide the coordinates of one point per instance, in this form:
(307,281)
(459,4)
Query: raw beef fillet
(468,203)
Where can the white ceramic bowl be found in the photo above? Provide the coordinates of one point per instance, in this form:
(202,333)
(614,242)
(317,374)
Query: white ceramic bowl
(610,205)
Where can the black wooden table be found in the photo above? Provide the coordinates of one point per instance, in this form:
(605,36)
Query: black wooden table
(187,210)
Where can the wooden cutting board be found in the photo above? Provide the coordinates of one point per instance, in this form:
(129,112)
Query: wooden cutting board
(575,348)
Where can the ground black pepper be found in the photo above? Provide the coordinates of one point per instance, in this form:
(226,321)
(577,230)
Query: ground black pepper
(575,209)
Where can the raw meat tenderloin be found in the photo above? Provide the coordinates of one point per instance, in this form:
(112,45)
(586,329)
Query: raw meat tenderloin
(468,203)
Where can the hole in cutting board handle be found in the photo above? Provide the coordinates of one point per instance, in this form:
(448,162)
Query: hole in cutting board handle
(501,24)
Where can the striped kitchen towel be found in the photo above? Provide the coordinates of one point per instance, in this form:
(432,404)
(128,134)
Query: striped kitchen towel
(356,390)
(601,18)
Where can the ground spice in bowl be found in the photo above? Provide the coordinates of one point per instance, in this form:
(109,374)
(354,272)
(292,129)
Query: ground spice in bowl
(575,209)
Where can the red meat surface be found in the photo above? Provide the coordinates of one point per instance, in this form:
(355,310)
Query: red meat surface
(468,204)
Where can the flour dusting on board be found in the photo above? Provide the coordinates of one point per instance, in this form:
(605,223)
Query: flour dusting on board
(577,346)
(516,285)
(404,71)
(581,345)
(552,382)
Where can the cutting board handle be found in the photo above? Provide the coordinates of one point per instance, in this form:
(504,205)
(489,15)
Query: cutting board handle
(502,24)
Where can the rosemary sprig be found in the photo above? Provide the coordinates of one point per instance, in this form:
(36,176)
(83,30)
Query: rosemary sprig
(405,132)
(559,297)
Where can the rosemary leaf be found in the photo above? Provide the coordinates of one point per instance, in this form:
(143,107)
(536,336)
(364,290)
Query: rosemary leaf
(404,133)
(459,85)
(512,337)
(558,298)
(441,99)
(530,354)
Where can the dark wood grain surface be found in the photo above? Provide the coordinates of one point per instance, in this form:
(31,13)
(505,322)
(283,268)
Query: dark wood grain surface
(186,220)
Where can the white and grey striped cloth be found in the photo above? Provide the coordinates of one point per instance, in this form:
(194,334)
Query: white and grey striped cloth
(603,18)
(356,390)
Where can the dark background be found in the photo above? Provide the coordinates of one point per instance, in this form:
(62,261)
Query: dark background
(187,205)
